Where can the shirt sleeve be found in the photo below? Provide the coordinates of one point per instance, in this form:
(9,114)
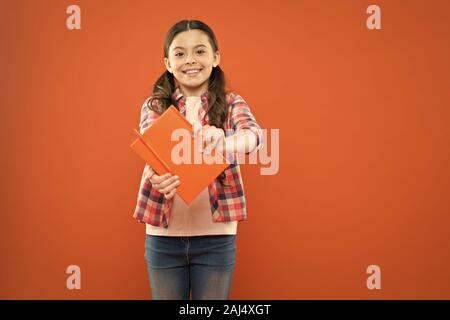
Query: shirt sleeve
(148,116)
(242,118)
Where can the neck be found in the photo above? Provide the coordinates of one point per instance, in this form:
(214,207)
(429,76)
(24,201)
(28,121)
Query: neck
(193,92)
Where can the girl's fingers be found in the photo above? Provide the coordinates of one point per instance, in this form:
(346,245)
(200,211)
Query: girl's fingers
(167,182)
(170,187)
(163,180)
(198,130)
(170,194)
(207,139)
(215,140)
(211,145)
(159,179)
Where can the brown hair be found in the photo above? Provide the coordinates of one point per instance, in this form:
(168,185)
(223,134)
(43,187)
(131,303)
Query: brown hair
(164,87)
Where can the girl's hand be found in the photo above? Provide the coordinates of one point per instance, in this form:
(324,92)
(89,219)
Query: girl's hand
(211,138)
(165,183)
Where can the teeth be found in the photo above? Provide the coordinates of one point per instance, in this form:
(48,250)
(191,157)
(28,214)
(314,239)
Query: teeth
(192,71)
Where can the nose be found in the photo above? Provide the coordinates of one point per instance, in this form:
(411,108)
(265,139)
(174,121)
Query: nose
(190,59)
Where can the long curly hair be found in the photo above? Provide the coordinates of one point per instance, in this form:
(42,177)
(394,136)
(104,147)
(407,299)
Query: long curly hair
(164,86)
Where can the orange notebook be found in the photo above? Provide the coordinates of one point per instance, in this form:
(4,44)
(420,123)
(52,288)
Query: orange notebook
(155,147)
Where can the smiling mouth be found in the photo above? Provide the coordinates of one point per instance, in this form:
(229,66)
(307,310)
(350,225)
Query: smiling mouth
(192,72)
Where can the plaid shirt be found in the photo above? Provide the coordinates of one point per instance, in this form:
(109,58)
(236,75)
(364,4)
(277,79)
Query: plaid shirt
(227,201)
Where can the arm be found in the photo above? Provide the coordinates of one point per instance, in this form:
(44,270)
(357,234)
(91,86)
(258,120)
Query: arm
(246,133)
(146,120)
(242,141)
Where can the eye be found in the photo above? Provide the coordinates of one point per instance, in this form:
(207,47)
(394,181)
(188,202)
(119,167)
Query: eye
(178,54)
(200,51)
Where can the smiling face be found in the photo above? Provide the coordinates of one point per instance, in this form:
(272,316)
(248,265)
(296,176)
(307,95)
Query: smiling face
(191,59)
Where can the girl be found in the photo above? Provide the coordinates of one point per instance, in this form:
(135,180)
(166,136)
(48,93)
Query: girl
(190,249)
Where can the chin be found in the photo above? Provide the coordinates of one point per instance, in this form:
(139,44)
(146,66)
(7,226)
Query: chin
(194,84)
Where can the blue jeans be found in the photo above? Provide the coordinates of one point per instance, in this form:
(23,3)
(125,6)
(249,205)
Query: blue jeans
(200,266)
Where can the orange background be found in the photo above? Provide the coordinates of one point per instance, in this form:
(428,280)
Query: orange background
(364,145)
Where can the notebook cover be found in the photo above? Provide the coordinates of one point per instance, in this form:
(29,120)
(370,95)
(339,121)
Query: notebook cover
(155,147)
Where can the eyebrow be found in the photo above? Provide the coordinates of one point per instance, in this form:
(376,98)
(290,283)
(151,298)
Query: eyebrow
(199,45)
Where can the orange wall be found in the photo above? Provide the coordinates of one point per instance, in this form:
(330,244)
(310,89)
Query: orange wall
(364,135)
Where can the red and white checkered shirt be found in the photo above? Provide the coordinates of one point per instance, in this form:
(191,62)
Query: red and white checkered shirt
(227,201)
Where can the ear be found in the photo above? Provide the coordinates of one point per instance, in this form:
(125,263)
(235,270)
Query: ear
(216,59)
(167,63)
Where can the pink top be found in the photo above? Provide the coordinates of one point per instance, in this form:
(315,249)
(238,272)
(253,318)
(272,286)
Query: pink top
(194,219)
